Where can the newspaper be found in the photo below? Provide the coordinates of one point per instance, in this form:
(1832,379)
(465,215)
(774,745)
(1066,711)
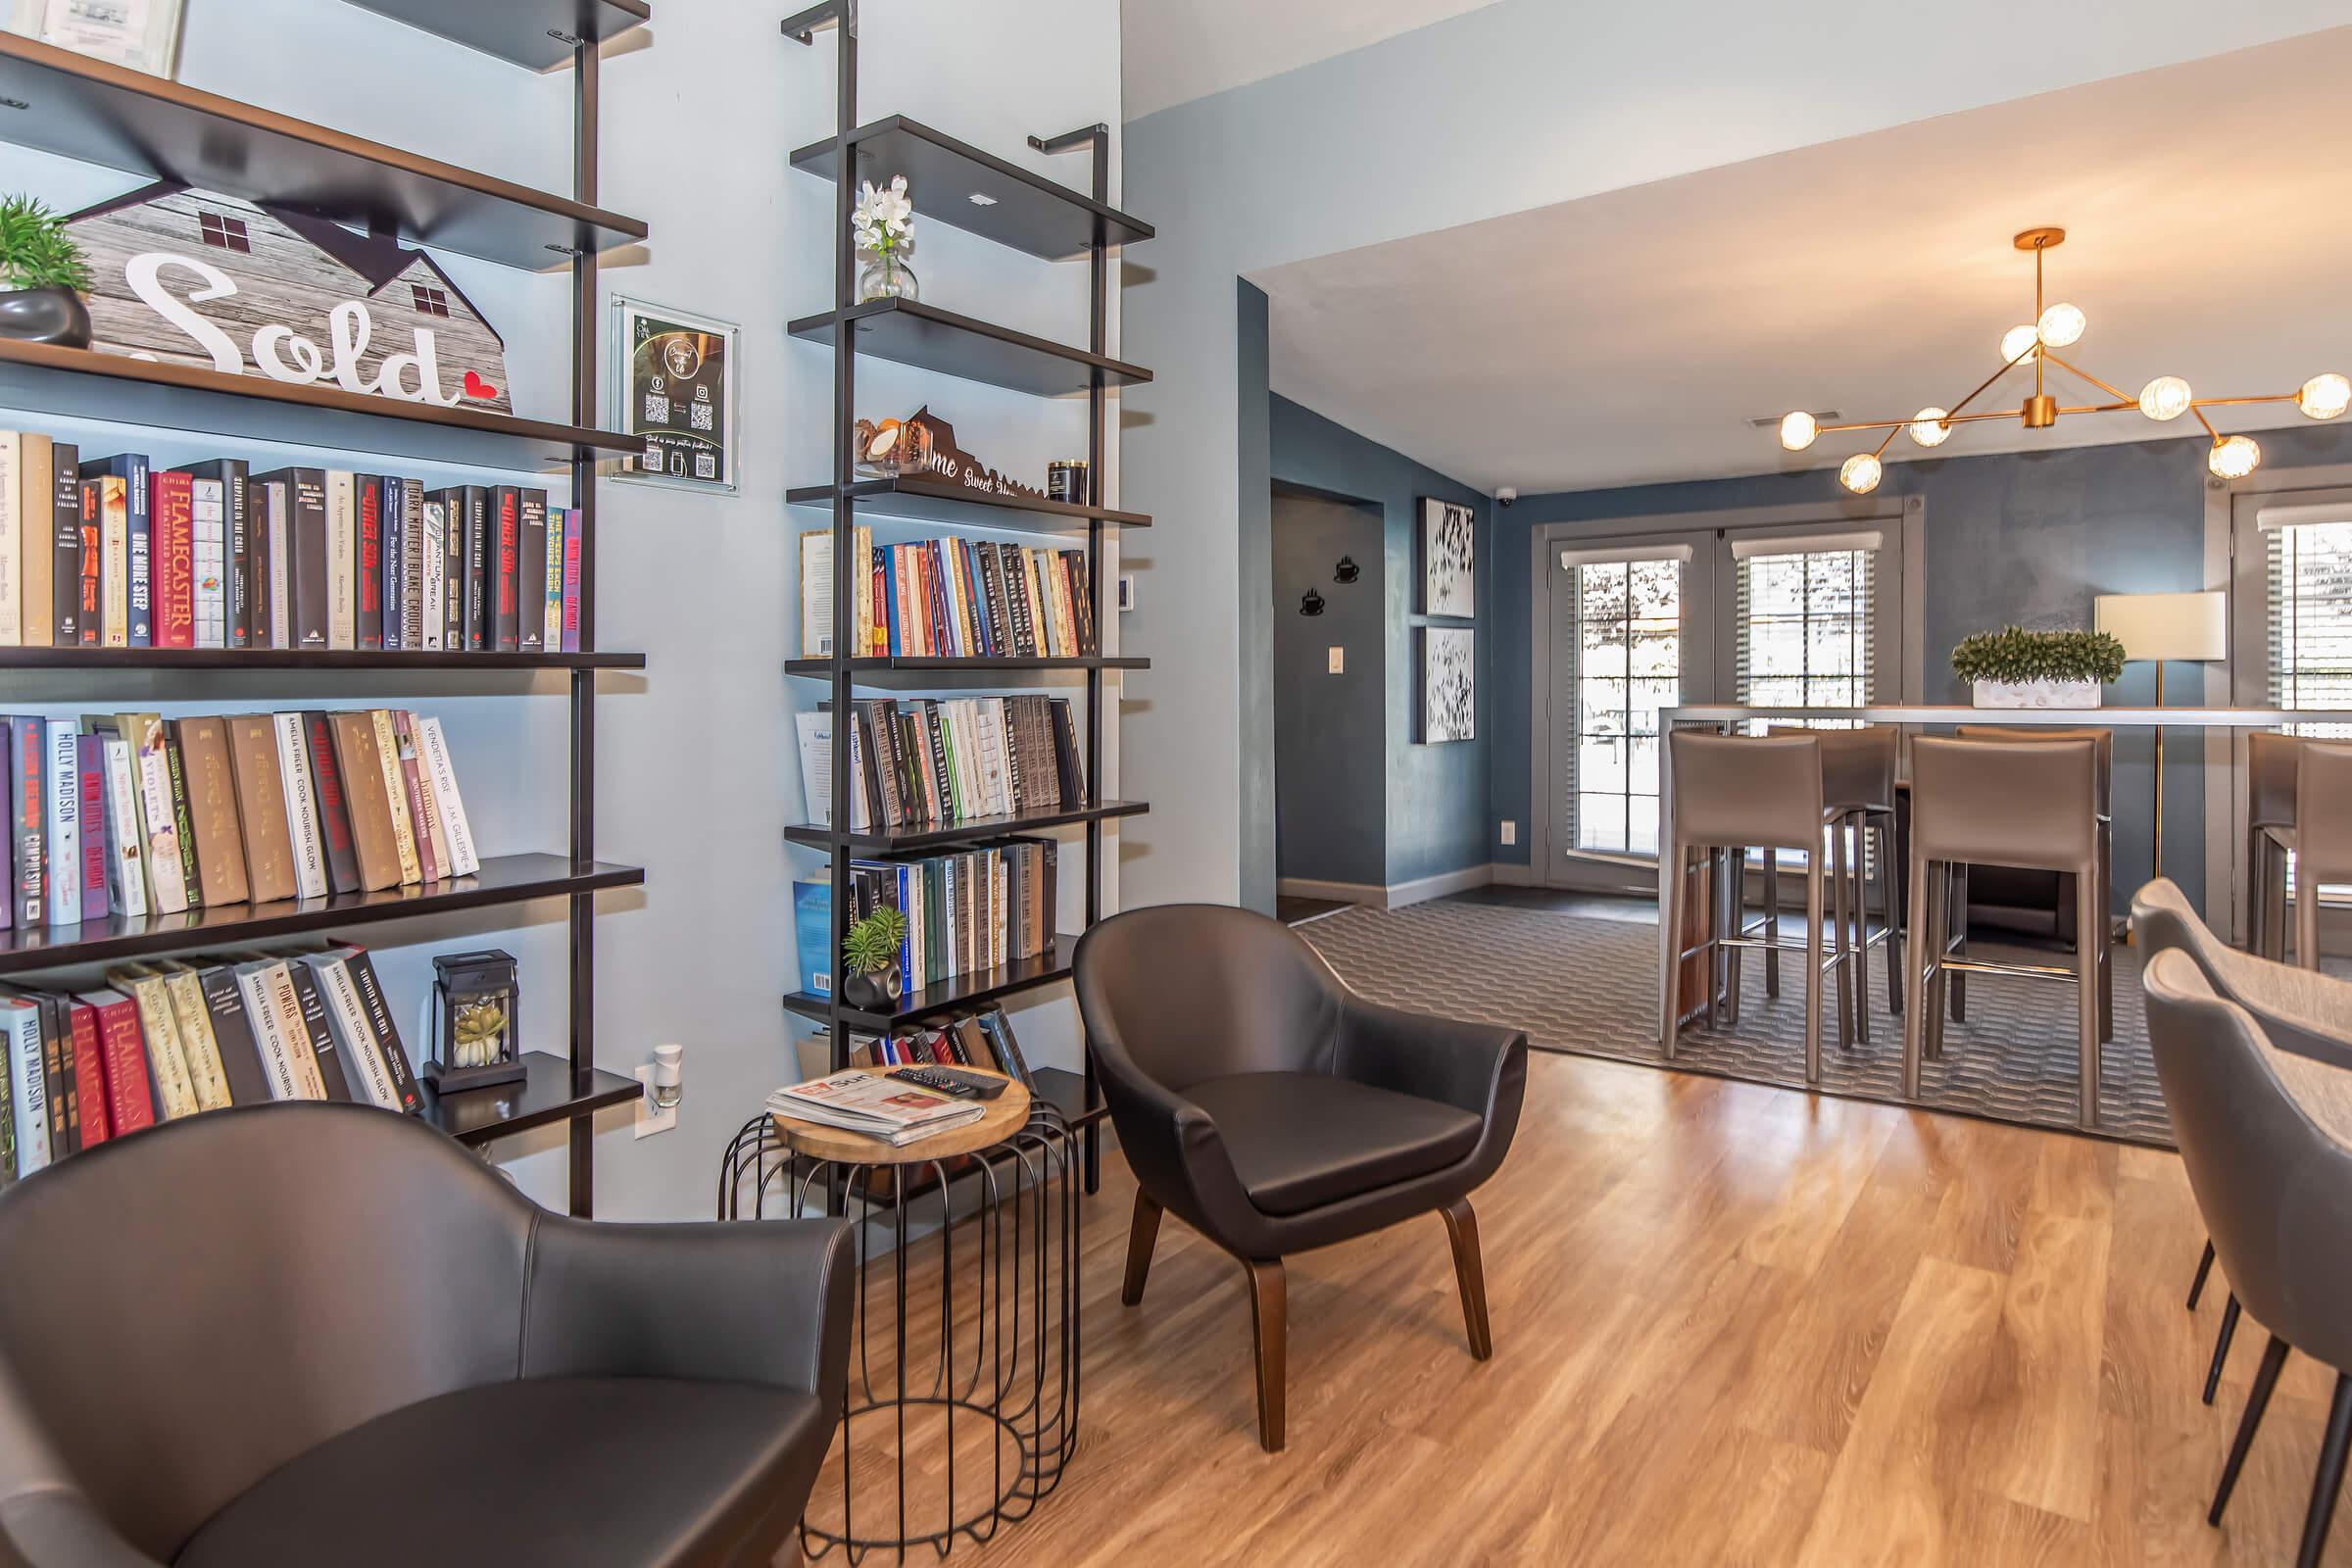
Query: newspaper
(875,1105)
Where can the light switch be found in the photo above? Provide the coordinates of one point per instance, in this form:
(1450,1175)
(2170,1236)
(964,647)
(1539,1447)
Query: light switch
(1339,660)
(1511,831)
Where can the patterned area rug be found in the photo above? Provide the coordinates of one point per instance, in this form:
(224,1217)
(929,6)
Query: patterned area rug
(1588,986)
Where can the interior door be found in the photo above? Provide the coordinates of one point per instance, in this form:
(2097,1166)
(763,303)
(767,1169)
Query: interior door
(1633,633)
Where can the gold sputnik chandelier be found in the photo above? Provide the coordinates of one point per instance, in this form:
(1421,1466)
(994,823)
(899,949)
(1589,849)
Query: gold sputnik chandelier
(2036,343)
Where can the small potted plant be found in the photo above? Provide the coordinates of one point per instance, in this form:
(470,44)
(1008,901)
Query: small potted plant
(871,974)
(884,221)
(42,277)
(2018,668)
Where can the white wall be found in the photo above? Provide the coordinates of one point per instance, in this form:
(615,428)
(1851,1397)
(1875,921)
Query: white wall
(1517,104)
(696,775)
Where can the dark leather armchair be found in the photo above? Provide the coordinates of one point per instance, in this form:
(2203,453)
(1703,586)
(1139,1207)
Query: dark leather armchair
(321,1333)
(1274,1110)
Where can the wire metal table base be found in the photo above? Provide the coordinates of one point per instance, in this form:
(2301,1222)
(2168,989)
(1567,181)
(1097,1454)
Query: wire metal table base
(998,1357)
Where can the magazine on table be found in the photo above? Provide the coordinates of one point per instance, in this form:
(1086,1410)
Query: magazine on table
(887,1109)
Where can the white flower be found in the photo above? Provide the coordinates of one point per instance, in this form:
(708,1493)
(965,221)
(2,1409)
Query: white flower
(884,217)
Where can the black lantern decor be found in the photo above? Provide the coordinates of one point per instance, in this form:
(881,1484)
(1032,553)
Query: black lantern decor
(474,1021)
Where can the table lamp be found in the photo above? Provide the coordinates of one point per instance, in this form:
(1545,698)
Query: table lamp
(2161,626)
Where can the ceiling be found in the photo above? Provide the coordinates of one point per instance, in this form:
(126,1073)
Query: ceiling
(1629,337)
(1175,51)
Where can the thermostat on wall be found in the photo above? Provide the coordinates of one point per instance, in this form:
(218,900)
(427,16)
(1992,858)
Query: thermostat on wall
(1126,590)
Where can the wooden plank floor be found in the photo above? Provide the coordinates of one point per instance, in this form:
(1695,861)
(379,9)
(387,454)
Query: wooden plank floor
(1733,1324)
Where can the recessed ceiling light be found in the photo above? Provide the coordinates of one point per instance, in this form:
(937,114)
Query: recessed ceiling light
(979,200)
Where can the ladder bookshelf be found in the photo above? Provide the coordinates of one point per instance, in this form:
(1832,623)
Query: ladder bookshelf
(1055,222)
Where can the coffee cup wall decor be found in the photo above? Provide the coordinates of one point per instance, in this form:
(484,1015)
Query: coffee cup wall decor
(190,277)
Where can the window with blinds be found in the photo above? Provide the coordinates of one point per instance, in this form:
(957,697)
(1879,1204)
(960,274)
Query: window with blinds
(1629,635)
(2310,631)
(1805,630)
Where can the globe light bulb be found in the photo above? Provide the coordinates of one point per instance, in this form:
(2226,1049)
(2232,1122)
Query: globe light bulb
(2323,396)
(1797,430)
(1859,473)
(2019,343)
(2233,456)
(2060,324)
(1927,427)
(2164,398)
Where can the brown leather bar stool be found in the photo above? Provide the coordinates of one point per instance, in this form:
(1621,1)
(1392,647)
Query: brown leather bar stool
(2271,761)
(2323,835)
(2104,739)
(1858,767)
(1731,794)
(2029,804)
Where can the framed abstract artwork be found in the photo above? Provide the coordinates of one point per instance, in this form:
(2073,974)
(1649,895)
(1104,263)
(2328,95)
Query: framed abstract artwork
(1446,706)
(1447,547)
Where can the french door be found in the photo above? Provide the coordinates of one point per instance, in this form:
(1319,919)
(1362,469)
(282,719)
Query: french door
(1785,617)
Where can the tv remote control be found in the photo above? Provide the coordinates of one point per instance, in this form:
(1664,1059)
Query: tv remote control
(955,1081)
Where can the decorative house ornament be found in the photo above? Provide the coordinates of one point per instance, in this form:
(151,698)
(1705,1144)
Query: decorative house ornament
(1446,706)
(675,390)
(2036,343)
(1447,543)
(193,278)
(924,447)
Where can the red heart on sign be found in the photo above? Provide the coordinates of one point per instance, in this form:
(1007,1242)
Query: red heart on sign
(478,388)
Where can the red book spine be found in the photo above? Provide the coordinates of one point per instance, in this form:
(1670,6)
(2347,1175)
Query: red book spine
(129,1105)
(173,560)
(572,589)
(92,818)
(371,562)
(89,1078)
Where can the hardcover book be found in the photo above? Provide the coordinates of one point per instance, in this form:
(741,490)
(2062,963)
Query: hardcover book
(355,1040)
(571,579)
(212,790)
(303,515)
(125,835)
(12,579)
(432,615)
(441,777)
(411,604)
(172,506)
(35,520)
(65,547)
(233,1034)
(424,823)
(208,515)
(167,1062)
(90,769)
(168,889)
(359,768)
(183,824)
(27,1083)
(261,808)
(116,611)
(206,1073)
(268,993)
(309,845)
(478,551)
(396,797)
(63,782)
(240,596)
(121,1061)
(311,1014)
(330,805)
(505,549)
(342,560)
(387,1035)
(530,573)
(367,560)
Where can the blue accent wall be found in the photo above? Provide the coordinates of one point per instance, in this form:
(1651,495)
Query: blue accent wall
(2029,538)
(1330,809)
(1437,797)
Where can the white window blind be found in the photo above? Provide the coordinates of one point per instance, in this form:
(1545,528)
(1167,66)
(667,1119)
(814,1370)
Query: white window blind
(1629,640)
(1805,615)
(2310,630)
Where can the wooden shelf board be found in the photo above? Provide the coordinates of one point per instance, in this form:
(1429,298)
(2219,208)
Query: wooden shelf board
(929,500)
(98,113)
(234,659)
(505,879)
(1025,211)
(964,832)
(907,332)
(476,1116)
(521,31)
(961,991)
(83,383)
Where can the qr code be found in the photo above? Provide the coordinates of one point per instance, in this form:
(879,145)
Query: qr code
(656,410)
(705,467)
(699,415)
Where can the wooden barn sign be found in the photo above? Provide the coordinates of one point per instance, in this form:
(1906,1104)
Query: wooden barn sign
(193,278)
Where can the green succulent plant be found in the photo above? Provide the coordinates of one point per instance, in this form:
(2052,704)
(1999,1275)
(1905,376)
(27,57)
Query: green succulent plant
(872,943)
(2014,656)
(35,250)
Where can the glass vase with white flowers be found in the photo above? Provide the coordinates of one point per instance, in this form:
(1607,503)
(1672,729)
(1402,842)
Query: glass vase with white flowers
(883,223)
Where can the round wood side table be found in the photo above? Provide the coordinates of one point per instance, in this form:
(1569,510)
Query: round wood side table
(961,1408)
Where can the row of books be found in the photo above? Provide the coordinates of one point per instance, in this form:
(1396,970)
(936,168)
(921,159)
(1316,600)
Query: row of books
(133,815)
(951,598)
(942,760)
(168,1040)
(114,553)
(982,1040)
(970,910)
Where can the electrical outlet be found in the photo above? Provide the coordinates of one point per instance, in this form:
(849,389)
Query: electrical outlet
(1339,660)
(648,1119)
(1511,831)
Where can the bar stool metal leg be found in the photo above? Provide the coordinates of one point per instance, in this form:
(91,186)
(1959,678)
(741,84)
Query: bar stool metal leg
(1840,896)
(1890,887)
(1813,914)
(1772,923)
(1735,899)
(1922,998)
(1674,890)
(1853,831)
(2090,910)
(1955,935)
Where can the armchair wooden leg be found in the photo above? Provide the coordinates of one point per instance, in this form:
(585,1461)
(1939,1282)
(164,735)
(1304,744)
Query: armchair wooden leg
(1461,1228)
(1141,1234)
(1269,1323)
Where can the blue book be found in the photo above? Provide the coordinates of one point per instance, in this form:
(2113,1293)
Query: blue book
(890,593)
(813,932)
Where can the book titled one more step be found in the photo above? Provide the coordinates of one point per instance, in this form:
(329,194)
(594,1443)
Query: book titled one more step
(111,552)
(159,1041)
(878,1107)
(128,815)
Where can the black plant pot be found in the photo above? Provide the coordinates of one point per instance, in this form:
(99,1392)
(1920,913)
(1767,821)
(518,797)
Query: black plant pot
(873,993)
(45,316)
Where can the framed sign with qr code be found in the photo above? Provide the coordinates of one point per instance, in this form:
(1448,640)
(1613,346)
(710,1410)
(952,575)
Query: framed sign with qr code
(675,387)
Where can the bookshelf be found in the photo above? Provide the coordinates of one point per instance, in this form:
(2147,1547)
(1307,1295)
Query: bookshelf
(96,112)
(1053,222)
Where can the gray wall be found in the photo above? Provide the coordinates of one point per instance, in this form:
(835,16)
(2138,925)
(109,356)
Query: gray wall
(2025,538)
(1435,795)
(1329,747)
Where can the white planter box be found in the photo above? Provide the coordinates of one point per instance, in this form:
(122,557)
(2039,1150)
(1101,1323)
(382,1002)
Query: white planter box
(2037,694)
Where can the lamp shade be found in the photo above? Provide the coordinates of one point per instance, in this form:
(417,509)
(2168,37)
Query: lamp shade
(2194,627)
